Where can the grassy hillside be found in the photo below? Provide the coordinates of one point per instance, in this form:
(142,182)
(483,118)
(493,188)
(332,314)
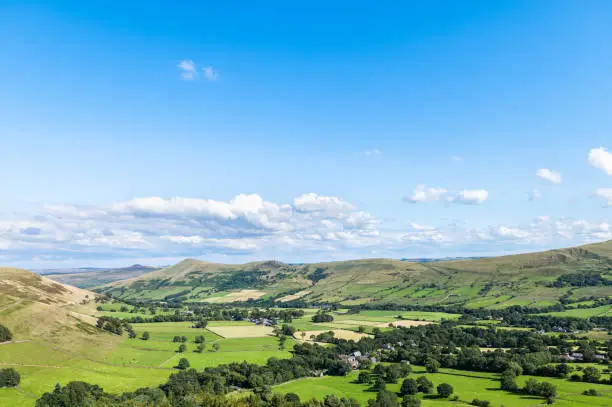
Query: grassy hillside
(534,279)
(35,308)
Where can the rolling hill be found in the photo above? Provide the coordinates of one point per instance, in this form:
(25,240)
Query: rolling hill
(38,309)
(535,279)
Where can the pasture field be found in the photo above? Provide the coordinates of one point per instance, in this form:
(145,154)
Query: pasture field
(133,363)
(253,331)
(603,311)
(42,365)
(467,385)
(160,351)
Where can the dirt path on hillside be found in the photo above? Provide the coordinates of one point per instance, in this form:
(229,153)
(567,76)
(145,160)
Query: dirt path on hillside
(11,342)
(11,305)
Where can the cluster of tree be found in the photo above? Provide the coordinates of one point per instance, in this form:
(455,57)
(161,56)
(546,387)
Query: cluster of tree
(532,387)
(383,374)
(115,326)
(322,317)
(581,280)
(5,334)
(201,314)
(84,394)
(9,377)
(179,338)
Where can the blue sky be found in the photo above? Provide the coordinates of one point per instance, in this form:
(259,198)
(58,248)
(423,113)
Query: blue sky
(242,131)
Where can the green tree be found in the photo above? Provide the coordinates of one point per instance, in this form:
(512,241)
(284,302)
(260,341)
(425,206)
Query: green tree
(444,390)
(410,400)
(9,377)
(183,364)
(5,334)
(432,365)
(292,398)
(424,385)
(145,336)
(384,398)
(200,348)
(409,387)
(508,380)
(591,374)
(182,348)
(363,377)
(216,347)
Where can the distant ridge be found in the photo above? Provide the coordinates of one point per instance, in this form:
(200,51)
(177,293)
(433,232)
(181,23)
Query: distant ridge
(531,279)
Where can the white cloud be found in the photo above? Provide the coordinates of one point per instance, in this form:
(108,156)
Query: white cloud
(549,175)
(188,69)
(456,158)
(605,193)
(602,159)
(510,232)
(423,194)
(372,153)
(313,203)
(210,74)
(535,195)
(471,197)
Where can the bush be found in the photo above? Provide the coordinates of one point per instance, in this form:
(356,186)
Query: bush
(590,392)
(444,390)
(410,400)
(481,403)
(5,334)
(145,336)
(363,377)
(9,377)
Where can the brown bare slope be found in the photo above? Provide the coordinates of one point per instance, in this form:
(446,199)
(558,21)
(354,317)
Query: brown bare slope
(37,308)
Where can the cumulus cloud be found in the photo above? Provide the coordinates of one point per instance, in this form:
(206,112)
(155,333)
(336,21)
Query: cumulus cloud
(249,227)
(471,197)
(602,159)
(314,203)
(549,175)
(423,194)
(184,226)
(188,69)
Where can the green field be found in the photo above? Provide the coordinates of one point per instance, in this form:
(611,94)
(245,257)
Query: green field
(132,363)
(603,311)
(467,385)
